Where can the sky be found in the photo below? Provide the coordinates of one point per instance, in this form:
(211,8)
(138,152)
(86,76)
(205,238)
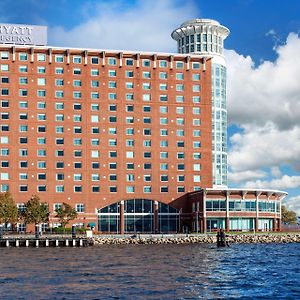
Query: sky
(263,61)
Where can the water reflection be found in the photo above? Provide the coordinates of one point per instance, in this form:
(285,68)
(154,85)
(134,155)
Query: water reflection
(154,272)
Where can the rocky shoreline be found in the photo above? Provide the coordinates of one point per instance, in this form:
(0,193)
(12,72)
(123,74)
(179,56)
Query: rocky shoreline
(197,239)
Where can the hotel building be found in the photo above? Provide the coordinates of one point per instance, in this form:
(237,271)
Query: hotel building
(135,141)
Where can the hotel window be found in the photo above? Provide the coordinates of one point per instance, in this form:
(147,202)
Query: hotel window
(112,177)
(147,178)
(41,57)
(130,166)
(112,142)
(196,77)
(23,152)
(147,108)
(146,97)
(59,58)
(147,143)
(59,82)
(164,132)
(4,152)
(60,165)
(163,109)
(77,153)
(94,119)
(23,80)
(163,155)
(77,59)
(112,107)
(163,98)
(129,85)
(180,189)
(59,129)
(59,117)
(23,140)
(129,62)
(164,178)
(59,188)
(147,154)
(196,122)
(196,99)
(164,189)
(197,167)
(4,80)
(4,55)
(94,72)
(129,131)
(129,96)
(59,70)
(196,110)
(4,127)
(94,107)
(41,105)
(179,76)
(147,131)
(80,208)
(60,177)
(163,75)
(77,82)
(5,116)
(180,110)
(41,93)
(23,128)
(146,63)
(179,98)
(22,104)
(94,83)
(59,153)
(77,118)
(59,94)
(77,177)
(95,189)
(196,133)
(196,88)
(77,71)
(164,143)
(147,120)
(77,130)
(163,121)
(78,165)
(23,188)
(41,128)
(112,189)
(130,177)
(41,141)
(163,64)
(112,84)
(129,154)
(94,60)
(5,68)
(196,65)
(146,86)
(163,87)
(5,164)
(59,105)
(196,155)
(95,130)
(129,143)
(95,142)
(23,176)
(22,92)
(23,69)
(179,65)
(41,70)
(112,61)
(179,87)
(197,178)
(197,144)
(180,167)
(23,164)
(41,165)
(130,189)
(112,73)
(180,155)
(77,141)
(147,75)
(147,189)
(23,56)
(112,154)
(111,96)
(41,188)
(180,178)
(112,166)
(129,74)
(95,154)
(129,108)
(77,95)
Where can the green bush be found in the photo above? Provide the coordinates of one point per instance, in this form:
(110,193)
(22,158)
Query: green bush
(67,230)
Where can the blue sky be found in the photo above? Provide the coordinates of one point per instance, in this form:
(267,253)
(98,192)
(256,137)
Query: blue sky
(262,54)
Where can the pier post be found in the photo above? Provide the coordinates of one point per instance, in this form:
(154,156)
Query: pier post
(27,243)
(17,243)
(37,243)
(47,243)
(56,243)
(80,243)
(7,243)
(74,243)
(67,243)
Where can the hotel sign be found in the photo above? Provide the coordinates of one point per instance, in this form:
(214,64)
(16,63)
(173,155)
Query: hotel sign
(23,34)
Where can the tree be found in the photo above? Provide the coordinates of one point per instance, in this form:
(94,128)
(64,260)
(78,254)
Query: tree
(288,216)
(65,214)
(35,211)
(8,209)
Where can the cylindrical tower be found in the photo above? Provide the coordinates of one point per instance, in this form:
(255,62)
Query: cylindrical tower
(205,37)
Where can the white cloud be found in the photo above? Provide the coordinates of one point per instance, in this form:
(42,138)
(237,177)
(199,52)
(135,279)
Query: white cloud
(267,93)
(238,177)
(146,25)
(283,183)
(293,203)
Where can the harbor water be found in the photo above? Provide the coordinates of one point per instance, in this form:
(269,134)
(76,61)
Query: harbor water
(265,271)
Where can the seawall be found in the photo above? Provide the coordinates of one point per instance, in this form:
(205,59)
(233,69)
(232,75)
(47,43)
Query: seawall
(195,239)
